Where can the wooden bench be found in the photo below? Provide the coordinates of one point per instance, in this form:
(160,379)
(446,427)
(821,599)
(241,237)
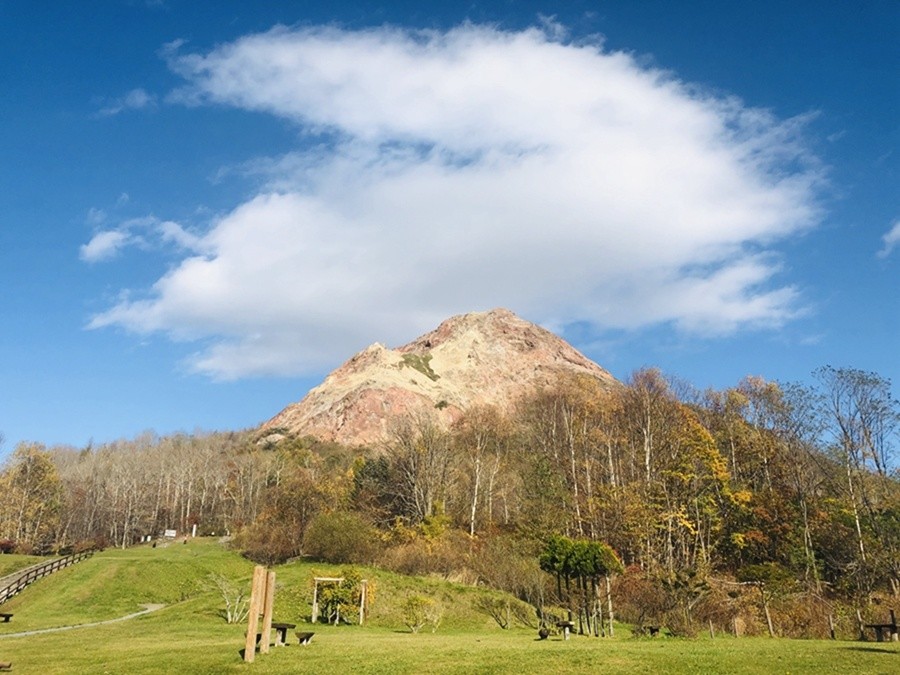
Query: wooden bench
(883,628)
(304,638)
(281,630)
(5,617)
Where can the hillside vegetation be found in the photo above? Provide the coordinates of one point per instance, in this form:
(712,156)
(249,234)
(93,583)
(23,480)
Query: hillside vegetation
(764,509)
(189,634)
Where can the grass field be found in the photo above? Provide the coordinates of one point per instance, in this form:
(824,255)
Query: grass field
(13,563)
(189,636)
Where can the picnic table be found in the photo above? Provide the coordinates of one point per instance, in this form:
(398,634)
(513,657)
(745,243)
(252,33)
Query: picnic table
(566,627)
(6,617)
(882,629)
(889,628)
(281,630)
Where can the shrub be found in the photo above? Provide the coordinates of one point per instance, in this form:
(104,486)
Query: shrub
(507,610)
(341,537)
(237,604)
(419,611)
(446,555)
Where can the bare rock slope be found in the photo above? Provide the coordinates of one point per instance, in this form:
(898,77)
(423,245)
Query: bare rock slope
(483,357)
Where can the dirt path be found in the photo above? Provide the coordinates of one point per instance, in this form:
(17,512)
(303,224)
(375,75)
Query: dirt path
(149,608)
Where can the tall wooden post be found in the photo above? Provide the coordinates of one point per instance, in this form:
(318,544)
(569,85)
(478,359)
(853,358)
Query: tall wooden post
(315,607)
(363,588)
(257,590)
(267,611)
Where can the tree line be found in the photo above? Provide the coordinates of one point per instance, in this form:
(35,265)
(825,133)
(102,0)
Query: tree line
(763,485)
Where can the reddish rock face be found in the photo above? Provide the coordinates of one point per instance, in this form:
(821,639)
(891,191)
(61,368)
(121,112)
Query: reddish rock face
(480,358)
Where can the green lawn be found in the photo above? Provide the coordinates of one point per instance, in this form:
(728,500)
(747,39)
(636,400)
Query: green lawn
(188,636)
(12,562)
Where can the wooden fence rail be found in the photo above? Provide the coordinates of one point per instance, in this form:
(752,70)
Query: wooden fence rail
(14,583)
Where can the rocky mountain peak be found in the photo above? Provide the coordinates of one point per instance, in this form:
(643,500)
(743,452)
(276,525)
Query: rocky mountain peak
(483,357)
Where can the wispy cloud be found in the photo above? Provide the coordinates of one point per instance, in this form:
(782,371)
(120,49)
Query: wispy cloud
(451,171)
(104,246)
(136,99)
(146,232)
(890,240)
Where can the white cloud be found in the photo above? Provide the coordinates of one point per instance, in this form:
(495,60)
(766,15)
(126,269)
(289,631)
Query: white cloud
(172,233)
(891,239)
(103,246)
(448,172)
(146,232)
(136,99)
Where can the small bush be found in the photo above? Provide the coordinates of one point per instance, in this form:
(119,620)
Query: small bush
(267,542)
(420,611)
(508,610)
(237,603)
(445,555)
(341,537)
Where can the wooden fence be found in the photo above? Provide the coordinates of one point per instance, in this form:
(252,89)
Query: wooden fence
(14,583)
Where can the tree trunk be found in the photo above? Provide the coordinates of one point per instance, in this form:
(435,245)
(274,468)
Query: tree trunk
(609,606)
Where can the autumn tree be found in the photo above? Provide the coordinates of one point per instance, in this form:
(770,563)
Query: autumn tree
(421,452)
(567,453)
(32,498)
(863,421)
(482,438)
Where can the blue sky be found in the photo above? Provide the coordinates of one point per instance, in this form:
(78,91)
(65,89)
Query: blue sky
(206,207)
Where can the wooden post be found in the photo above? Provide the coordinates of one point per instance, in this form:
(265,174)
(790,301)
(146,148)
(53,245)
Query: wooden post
(257,590)
(362,600)
(765,604)
(712,631)
(268,606)
(315,609)
(831,625)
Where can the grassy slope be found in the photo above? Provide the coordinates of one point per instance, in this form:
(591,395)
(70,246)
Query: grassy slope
(10,563)
(188,636)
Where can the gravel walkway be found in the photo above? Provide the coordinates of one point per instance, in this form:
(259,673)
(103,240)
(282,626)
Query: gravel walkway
(149,608)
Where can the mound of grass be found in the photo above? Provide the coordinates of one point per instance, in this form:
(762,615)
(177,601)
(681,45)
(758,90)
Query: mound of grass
(459,604)
(114,583)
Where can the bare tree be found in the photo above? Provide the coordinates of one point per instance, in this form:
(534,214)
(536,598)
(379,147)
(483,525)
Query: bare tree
(422,452)
(864,421)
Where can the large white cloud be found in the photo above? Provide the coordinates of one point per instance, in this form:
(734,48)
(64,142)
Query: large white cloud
(441,172)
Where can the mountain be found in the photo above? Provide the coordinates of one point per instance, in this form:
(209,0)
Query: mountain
(484,357)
